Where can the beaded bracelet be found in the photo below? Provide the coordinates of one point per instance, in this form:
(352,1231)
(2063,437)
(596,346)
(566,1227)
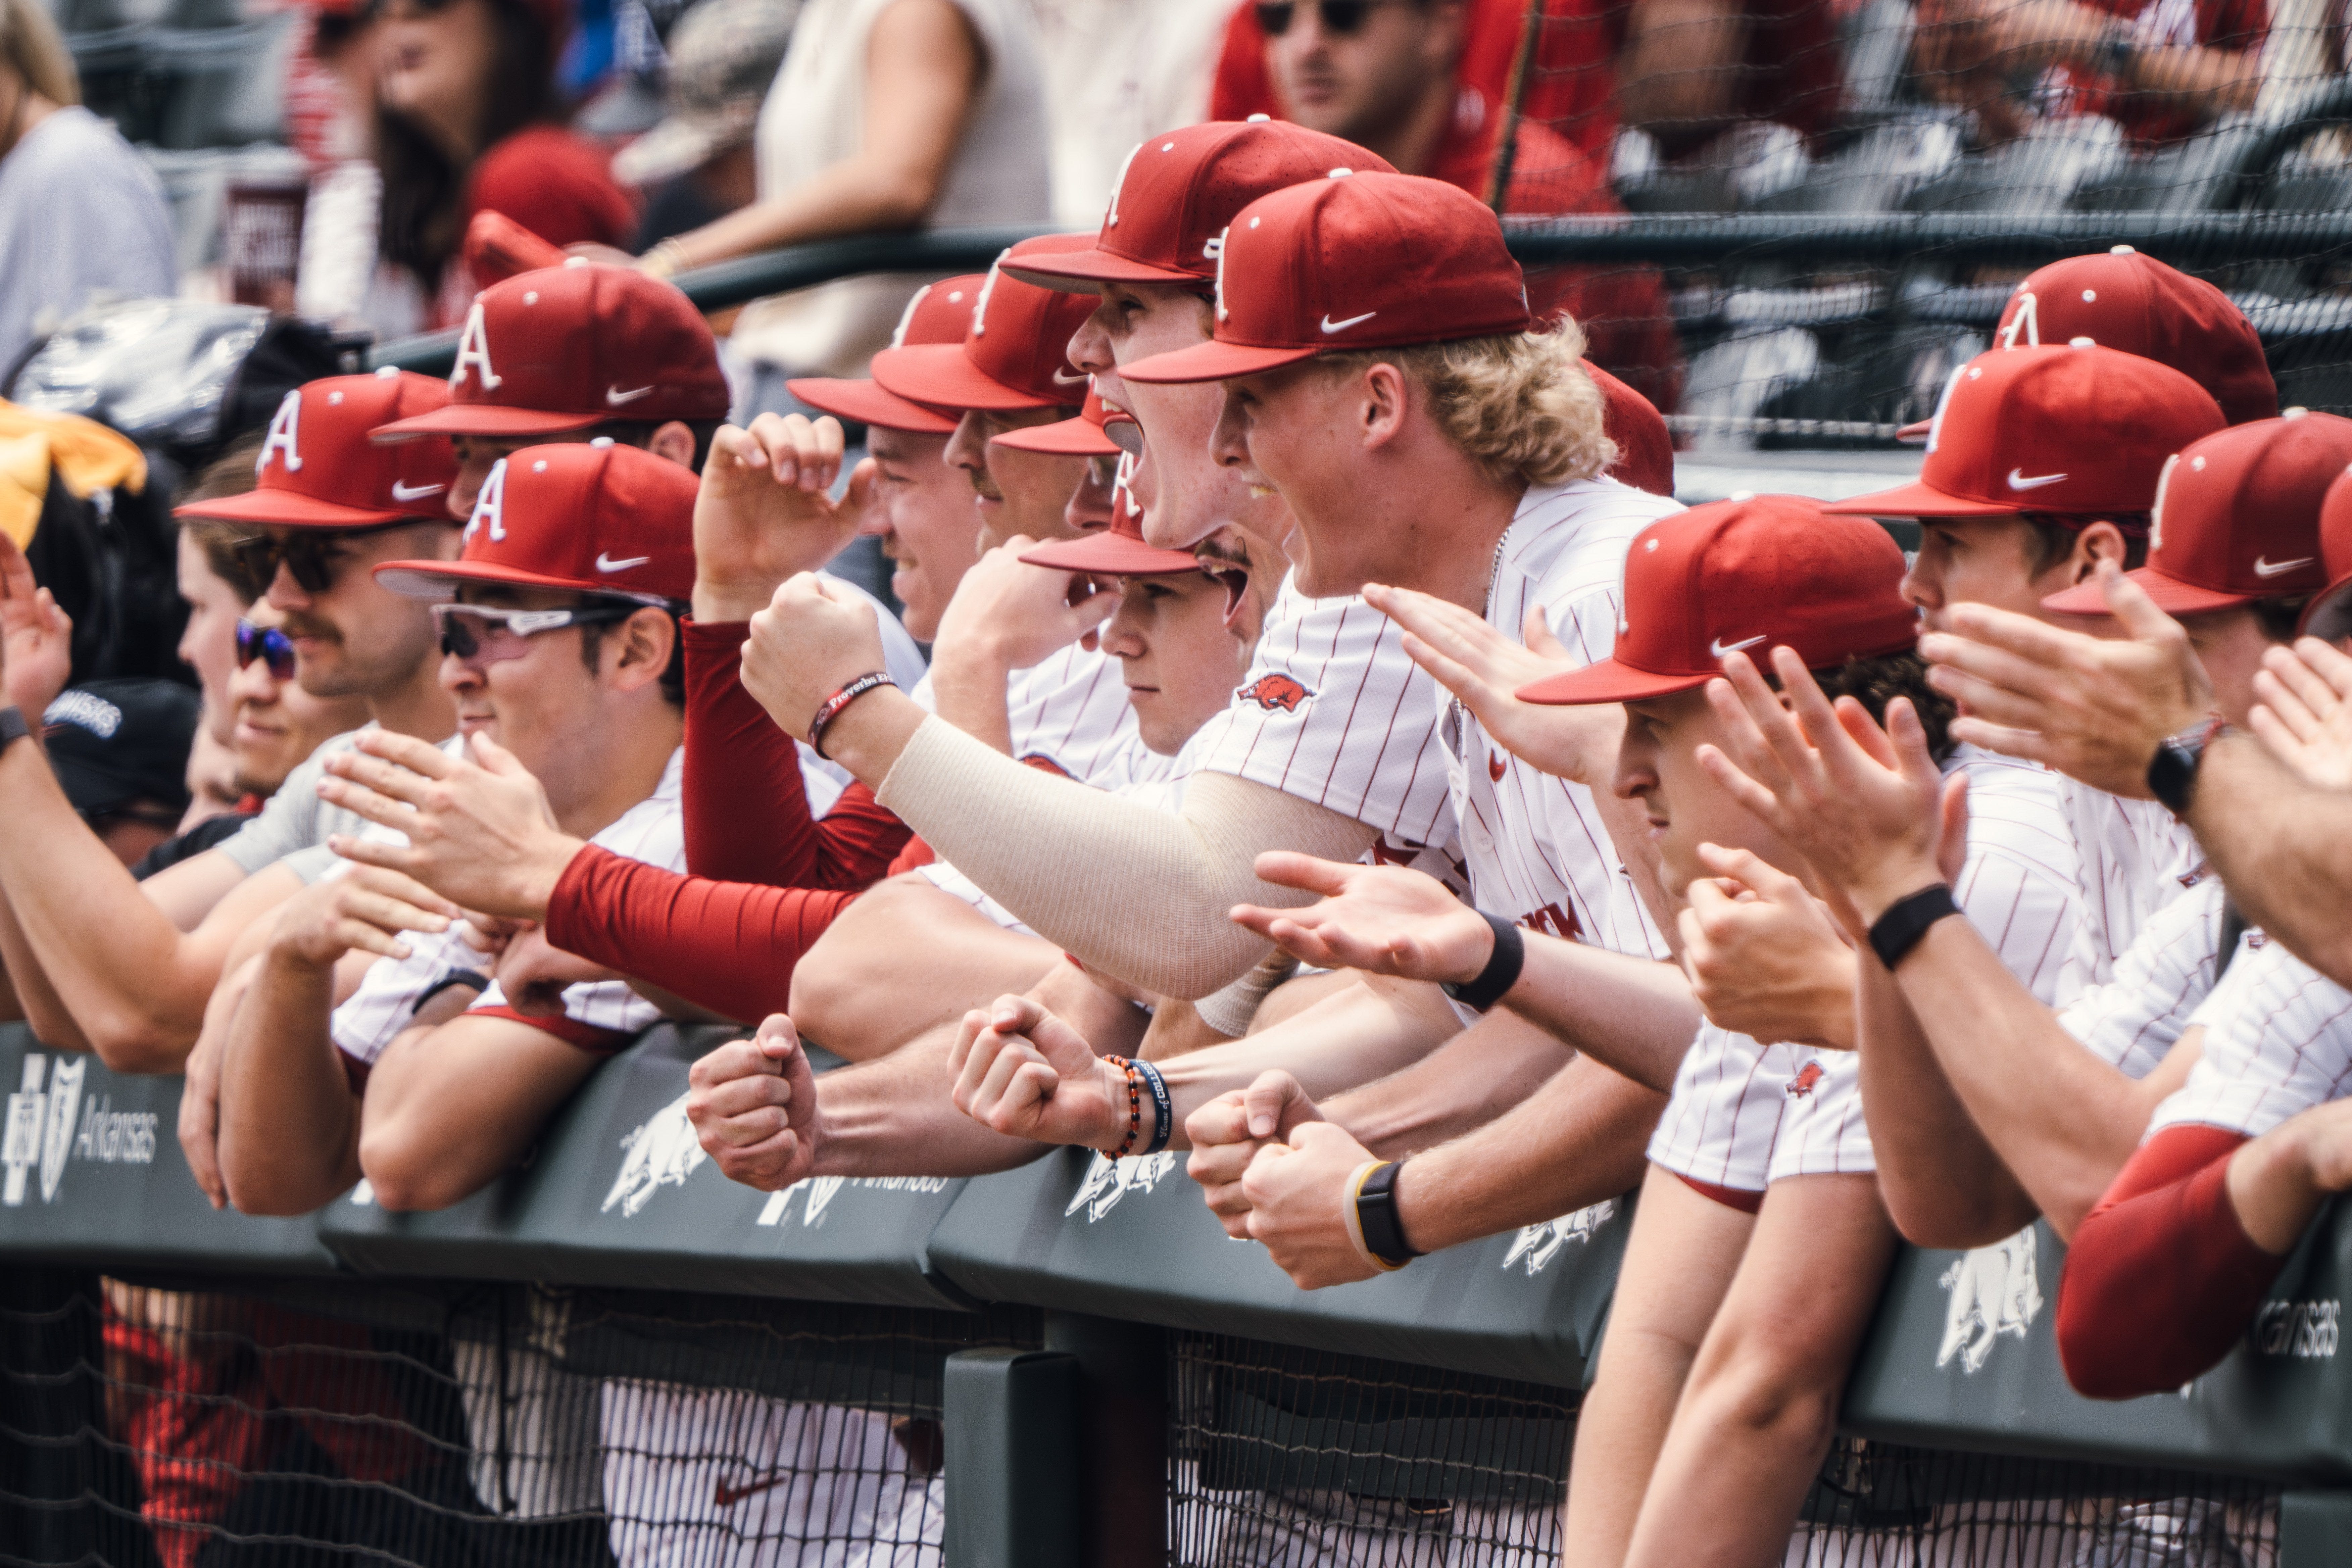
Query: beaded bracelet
(829,709)
(1134,1106)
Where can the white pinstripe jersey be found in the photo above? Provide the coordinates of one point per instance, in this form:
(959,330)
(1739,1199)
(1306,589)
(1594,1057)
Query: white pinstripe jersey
(2278,1039)
(653,830)
(1333,711)
(2133,1020)
(1538,850)
(2137,857)
(1745,1115)
(1069,714)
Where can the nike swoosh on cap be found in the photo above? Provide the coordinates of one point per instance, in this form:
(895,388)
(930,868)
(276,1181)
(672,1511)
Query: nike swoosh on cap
(414,493)
(605,562)
(1061,380)
(2272,568)
(2018,480)
(1331,326)
(1719,648)
(614,396)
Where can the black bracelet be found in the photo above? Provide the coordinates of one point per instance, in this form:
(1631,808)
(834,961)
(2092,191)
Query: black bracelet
(1376,1214)
(14,726)
(1502,971)
(1894,934)
(1163,1109)
(453,979)
(829,709)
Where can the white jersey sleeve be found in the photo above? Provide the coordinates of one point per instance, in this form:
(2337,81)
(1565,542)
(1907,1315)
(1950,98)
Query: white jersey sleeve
(2278,1039)
(2133,1020)
(1069,715)
(2136,858)
(1536,846)
(1333,711)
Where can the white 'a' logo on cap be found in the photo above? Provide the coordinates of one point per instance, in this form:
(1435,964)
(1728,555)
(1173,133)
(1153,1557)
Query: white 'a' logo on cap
(285,435)
(491,504)
(987,287)
(2156,508)
(906,317)
(2028,320)
(474,349)
(1935,421)
(1118,183)
(1225,244)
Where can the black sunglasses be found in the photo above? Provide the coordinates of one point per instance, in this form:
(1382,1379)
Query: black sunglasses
(1341,18)
(264,643)
(312,554)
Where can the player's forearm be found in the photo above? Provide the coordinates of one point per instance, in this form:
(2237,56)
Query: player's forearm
(34,999)
(289,1120)
(969,689)
(2282,849)
(1944,1183)
(452,1106)
(1634,1014)
(1578,1140)
(896,1117)
(1134,893)
(2274,1185)
(1476,1076)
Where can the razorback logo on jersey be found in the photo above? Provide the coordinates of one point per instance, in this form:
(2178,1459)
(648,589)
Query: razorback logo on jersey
(1553,921)
(1273,691)
(1045,765)
(1808,1077)
(1495,766)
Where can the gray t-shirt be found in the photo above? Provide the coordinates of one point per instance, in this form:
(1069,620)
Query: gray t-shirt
(79,214)
(294,824)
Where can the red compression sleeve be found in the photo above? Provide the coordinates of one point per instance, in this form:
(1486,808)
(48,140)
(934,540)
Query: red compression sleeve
(728,946)
(2162,1277)
(746,809)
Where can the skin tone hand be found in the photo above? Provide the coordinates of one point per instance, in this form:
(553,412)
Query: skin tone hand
(753,1105)
(1382,918)
(1765,957)
(811,640)
(765,513)
(1866,807)
(1021,1071)
(2095,709)
(1298,1196)
(534,974)
(1484,669)
(1007,615)
(199,1121)
(481,832)
(37,635)
(364,911)
(1227,1132)
(2304,717)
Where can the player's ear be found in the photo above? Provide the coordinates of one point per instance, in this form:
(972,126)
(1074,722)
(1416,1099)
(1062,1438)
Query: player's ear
(640,649)
(1386,394)
(2102,541)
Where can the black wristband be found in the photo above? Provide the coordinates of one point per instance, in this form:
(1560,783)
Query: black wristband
(455,979)
(1894,934)
(1163,1109)
(1376,1214)
(1502,971)
(14,726)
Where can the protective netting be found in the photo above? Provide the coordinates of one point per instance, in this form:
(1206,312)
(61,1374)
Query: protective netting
(460,1424)
(1288,1457)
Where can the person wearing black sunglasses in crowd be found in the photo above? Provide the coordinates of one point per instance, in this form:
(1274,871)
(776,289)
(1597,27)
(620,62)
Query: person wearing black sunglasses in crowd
(128,969)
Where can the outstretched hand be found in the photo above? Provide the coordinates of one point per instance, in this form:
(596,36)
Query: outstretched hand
(765,513)
(36,635)
(1382,918)
(2095,709)
(2304,715)
(1023,1072)
(480,833)
(1227,1132)
(367,912)
(753,1105)
(1485,669)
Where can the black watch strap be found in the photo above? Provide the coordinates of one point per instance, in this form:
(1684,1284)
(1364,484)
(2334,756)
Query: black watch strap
(1894,934)
(2172,772)
(1502,971)
(14,726)
(1376,1213)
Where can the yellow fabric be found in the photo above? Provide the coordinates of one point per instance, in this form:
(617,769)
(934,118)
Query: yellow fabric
(84,453)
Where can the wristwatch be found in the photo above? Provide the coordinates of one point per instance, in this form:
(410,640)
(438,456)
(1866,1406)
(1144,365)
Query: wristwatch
(2172,772)
(1502,971)
(14,726)
(1376,1217)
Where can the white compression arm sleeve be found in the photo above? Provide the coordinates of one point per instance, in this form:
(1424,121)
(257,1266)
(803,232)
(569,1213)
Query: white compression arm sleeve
(1138,893)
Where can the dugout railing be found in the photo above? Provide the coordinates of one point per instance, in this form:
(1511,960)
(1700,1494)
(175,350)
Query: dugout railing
(617,1355)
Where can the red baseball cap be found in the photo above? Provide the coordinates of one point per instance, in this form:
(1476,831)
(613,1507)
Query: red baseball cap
(2329,614)
(1352,261)
(1753,573)
(1117,551)
(568,347)
(1176,194)
(318,469)
(2236,518)
(1645,449)
(939,312)
(1080,437)
(595,517)
(2124,300)
(2080,429)
(1015,353)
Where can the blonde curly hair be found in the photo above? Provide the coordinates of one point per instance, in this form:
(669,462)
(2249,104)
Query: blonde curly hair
(1518,405)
